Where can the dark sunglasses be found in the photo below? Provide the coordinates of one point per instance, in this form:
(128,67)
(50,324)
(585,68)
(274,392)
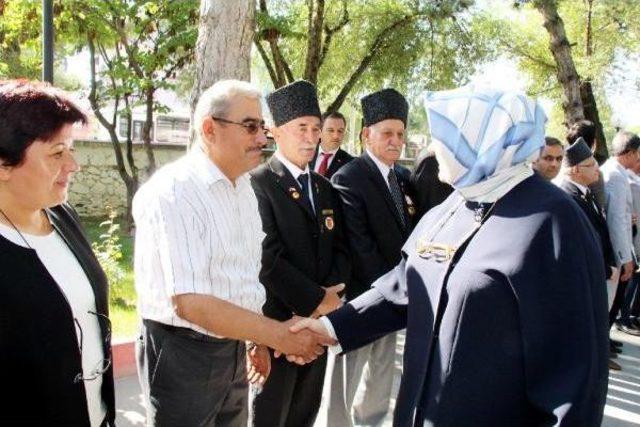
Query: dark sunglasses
(251,126)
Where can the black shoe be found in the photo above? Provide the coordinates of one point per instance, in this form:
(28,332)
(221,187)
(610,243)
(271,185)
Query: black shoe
(614,366)
(614,349)
(629,330)
(615,343)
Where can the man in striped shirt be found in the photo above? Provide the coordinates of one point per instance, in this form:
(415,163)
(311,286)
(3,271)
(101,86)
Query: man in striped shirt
(197,259)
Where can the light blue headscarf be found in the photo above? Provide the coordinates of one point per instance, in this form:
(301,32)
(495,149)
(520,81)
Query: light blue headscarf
(485,138)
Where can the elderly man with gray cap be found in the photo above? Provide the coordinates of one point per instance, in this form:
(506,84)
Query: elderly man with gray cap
(619,208)
(304,260)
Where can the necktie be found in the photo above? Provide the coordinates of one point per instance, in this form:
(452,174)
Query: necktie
(324,163)
(396,194)
(303,179)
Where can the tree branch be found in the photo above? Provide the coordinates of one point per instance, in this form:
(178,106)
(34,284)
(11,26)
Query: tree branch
(266,60)
(329,32)
(377,46)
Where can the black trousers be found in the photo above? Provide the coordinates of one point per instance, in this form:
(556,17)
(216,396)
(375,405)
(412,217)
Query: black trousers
(191,379)
(291,396)
(618,300)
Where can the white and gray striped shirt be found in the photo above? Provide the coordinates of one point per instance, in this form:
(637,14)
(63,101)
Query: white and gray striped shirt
(196,233)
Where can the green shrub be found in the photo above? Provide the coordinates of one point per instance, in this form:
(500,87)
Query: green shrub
(108,250)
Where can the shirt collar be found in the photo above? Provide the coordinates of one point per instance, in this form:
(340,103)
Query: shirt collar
(293,169)
(332,152)
(205,168)
(583,189)
(382,167)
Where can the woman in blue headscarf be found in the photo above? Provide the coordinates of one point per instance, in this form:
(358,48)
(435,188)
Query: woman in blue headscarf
(500,287)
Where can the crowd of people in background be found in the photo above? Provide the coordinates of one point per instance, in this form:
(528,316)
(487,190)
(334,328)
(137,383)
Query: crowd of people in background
(610,197)
(246,273)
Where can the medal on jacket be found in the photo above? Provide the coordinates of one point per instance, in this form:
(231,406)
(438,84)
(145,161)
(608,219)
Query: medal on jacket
(293,191)
(329,223)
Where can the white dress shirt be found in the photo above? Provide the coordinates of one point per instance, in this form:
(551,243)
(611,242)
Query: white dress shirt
(320,156)
(196,233)
(382,167)
(296,172)
(64,268)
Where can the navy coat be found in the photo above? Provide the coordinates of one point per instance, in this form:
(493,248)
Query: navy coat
(511,332)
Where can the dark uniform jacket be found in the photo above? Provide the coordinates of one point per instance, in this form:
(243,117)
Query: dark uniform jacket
(511,330)
(39,352)
(372,222)
(597,218)
(340,159)
(302,251)
(428,189)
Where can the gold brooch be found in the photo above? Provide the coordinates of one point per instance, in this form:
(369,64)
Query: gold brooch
(440,252)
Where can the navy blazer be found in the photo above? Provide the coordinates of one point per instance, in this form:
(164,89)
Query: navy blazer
(511,331)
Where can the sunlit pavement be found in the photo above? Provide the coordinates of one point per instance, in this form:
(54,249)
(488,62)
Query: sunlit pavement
(622,409)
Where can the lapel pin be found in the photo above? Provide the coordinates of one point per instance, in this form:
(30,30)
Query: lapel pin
(294,193)
(328,222)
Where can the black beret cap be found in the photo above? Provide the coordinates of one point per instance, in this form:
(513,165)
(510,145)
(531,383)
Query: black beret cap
(577,152)
(383,105)
(297,99)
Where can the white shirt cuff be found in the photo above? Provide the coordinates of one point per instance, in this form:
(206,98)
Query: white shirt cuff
(335,349)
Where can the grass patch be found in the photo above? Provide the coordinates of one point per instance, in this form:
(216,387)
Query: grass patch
(122,294)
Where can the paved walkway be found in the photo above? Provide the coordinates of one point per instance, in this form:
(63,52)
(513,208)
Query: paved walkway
(622,409)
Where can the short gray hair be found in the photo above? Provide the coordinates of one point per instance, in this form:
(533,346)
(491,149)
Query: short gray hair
(217,99)
(624,142)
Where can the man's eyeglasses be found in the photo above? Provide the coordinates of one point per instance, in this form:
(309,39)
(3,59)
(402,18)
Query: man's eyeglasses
(103,365)
(251,126)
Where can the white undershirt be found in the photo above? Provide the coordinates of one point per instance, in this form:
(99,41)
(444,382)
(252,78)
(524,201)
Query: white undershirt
(74,284)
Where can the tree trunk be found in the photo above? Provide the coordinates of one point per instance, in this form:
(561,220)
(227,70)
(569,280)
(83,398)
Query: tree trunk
(561,51)
(591,113)
(314,40)
(146,131)
(223,49)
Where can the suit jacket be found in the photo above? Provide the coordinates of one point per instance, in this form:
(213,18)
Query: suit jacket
(619,207)
(340,159)
(372,222)
(302,251)
(597,218)
(39,353)
(478,349)
(429,190)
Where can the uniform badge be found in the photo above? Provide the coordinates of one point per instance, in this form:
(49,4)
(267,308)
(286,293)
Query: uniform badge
(294,193)
(328,222)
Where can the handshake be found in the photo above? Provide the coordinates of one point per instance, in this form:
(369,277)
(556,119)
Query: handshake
(301,339)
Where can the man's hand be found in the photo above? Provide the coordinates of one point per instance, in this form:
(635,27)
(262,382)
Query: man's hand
(314,325)
(258,364)
(303,346)
(627,271)
(331,300)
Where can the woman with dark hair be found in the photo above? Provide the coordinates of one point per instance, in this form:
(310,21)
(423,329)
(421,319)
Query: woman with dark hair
(55,334)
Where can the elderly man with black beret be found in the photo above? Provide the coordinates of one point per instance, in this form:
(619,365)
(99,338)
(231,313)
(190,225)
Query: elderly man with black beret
(379,216)
(304,260)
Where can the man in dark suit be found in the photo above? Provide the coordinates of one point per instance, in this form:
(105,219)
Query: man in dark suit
(329,157)
(379,216)
(426,185)
(581,170)
(304,261)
